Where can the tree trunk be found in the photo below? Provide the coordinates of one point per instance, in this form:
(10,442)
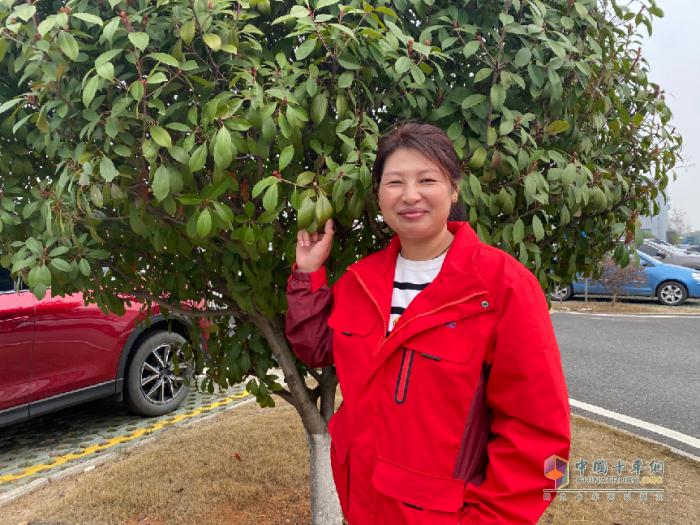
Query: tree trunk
(325,505)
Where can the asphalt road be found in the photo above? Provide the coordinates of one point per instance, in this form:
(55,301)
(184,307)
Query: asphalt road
(644,367)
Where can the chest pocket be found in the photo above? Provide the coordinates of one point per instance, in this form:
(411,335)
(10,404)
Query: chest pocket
(349,323)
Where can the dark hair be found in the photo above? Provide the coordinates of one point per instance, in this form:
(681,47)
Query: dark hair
(430,141)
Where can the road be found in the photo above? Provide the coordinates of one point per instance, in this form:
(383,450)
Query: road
(643,367)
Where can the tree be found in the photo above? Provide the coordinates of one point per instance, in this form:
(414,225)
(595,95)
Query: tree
(615,279)
(181,143)
(679,222)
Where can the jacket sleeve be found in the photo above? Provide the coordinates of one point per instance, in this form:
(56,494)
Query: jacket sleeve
(310,302)
(527,393)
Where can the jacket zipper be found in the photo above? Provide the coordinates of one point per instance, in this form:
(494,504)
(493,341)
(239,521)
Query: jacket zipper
(391,334)
(404,376)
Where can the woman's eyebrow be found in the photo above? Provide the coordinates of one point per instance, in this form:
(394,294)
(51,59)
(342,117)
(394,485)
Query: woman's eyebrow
(427,170)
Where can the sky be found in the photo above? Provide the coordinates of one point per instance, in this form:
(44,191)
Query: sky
(673,53)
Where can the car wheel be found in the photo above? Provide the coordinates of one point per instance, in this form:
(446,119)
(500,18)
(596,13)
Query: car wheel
(152,388)
(672,293)
(562,294)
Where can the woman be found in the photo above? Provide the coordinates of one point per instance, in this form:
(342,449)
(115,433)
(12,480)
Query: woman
(445,355)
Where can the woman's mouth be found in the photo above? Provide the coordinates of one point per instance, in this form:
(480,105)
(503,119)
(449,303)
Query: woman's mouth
(413,214)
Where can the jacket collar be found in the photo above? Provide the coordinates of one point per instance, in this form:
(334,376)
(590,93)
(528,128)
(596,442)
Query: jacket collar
(458,275)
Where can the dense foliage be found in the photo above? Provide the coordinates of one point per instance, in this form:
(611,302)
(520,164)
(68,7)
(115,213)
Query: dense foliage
(181,143)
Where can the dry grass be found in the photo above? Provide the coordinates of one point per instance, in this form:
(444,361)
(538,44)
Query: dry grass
(591,441)
(624,306)
(192,476)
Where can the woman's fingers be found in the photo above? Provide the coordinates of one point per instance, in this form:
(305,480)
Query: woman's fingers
(305,239)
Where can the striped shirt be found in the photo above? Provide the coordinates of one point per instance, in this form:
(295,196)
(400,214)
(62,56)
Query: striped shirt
(410,278)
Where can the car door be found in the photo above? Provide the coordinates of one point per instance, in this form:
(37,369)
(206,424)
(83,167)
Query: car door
(75,347)
(16,340)
(643,286)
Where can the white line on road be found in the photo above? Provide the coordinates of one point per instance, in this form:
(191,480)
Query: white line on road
(688,440)
(663,316)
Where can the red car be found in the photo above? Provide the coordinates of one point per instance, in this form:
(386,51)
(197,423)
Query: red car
(57,352)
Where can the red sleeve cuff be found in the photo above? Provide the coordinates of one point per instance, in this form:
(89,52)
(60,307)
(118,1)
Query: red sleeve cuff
(317,278)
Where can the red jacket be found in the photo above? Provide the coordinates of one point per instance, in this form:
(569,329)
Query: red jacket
(450,418)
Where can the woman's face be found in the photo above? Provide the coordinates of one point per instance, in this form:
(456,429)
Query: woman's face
(415,195)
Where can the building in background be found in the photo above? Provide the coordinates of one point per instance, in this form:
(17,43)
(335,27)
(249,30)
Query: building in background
(657,226)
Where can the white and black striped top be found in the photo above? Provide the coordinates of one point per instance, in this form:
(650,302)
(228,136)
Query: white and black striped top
(409,279)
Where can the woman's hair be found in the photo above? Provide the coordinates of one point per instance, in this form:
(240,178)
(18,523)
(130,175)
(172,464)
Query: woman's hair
(430,141)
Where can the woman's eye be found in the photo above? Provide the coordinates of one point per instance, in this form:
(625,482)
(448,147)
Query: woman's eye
(428,180)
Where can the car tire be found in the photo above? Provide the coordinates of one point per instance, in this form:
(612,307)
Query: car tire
(151,387)
(563,294)
(671,293)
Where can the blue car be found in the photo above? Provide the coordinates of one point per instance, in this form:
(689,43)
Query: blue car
(670,284)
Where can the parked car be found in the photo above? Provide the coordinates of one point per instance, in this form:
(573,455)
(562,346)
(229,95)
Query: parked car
(670,255)
(58,352)
(672,285)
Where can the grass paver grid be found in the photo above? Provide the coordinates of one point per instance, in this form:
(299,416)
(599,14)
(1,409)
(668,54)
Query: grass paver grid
(72,430)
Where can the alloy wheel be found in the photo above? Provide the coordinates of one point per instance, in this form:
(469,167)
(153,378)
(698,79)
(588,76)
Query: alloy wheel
(159,384)
(672,293)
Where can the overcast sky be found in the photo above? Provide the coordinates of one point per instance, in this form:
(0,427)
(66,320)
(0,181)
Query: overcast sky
(673,53)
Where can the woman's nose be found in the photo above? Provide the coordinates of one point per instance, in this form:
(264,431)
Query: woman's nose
(411,193)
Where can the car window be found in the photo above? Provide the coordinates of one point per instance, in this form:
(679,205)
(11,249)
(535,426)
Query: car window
(6,282)
(645,248)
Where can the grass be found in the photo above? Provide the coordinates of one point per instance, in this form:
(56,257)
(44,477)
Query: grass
(193,476)
(625,305)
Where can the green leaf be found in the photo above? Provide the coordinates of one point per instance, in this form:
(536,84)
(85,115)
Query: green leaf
(470,48)
(212,40)
(161,183)
(318,108)
(286,157)
(10,104)
(324,210)
(157,78)
(25,11)
(90,19)
(106,71)
(107,169)
(68,44)
(498,96)
(348,61)
(137,90)
(140,40)
(346,79)
(518,231)
(204,223)
(161,136)
(90,90)
(262,184)
(522,57)
(306,214)
(556,127)
(61,265)
(187,32)
(483,74)
(402,65)
(477,159)
(491,136)
(199,158)
(472,100)
(475,186)
(164,58)
(271,197)
(569,175)
(306,48)
(538,228)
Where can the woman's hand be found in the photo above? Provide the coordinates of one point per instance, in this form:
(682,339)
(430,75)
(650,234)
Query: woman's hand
(313,249)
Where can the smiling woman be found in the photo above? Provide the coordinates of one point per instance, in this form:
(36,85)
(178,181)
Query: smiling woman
(437,340)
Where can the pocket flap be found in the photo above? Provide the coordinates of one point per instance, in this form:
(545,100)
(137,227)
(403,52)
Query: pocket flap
(417,488)
(337,428)
(349,322)
(444,343)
